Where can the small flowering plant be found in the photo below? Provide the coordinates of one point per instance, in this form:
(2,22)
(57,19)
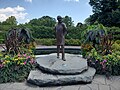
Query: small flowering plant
(18,58)
(104,64)
(16,67)
(86,48)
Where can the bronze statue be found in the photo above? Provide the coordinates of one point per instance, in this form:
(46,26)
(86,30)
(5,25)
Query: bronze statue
(61,30)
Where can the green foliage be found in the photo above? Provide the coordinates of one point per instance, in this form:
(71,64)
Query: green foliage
(16,38)
(106,44)
(44,28)
(94,33)
(2,41)
(15,68)
(43,32)
(105,57)
(104,64)
(68,21)
(6,25)
(43,21)
(106,12)
(117,41)
(74,33)
(10,21)
(2,34)
(2,37)
(49,42)
(39,32)
(72,42)
(41,28)
(5,28)
(116,46)
(115,32)
(45,41)
(96,27)
(86,48)
(108,64)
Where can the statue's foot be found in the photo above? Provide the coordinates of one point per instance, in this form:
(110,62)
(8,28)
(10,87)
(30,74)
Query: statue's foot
(63,59)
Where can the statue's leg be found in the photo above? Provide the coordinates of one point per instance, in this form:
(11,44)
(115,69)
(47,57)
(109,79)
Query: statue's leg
(63,53)
(58,50)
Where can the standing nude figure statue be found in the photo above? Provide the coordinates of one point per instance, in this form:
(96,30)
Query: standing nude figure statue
(61,30)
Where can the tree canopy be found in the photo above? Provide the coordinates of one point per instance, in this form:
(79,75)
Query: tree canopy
(106,12)
(10,21)
(68,21)
(43,21)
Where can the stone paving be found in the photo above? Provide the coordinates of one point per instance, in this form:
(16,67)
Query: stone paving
(100,82)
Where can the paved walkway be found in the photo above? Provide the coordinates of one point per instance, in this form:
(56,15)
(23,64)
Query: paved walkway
(99,82)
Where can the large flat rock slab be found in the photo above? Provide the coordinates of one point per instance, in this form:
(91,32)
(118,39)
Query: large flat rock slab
(38,78)
(74,64)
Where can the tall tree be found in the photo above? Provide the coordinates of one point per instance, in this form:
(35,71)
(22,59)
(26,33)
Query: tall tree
(68,21)
(47,21)
(34,22)
(10,21)
(106,12)
(43,21)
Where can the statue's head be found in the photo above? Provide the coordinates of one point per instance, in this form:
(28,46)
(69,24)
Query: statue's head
(59,18)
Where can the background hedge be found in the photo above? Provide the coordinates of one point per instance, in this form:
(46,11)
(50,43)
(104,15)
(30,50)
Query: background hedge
(49,42)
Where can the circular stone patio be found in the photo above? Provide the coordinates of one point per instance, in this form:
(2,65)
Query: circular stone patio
(74,64)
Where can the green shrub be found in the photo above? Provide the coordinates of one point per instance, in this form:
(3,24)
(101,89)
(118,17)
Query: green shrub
(115,31)
(116,47)
(49,42)
(2,37)
(1,41)
(118,42)
(104,64)
(72,42)
(105,58)
(15,68)
(42,32)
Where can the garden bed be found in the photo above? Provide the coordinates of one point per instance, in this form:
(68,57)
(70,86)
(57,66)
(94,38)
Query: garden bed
(15,68)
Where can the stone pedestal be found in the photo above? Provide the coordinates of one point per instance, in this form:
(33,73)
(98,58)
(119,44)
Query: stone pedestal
(55,71)
(74,64)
